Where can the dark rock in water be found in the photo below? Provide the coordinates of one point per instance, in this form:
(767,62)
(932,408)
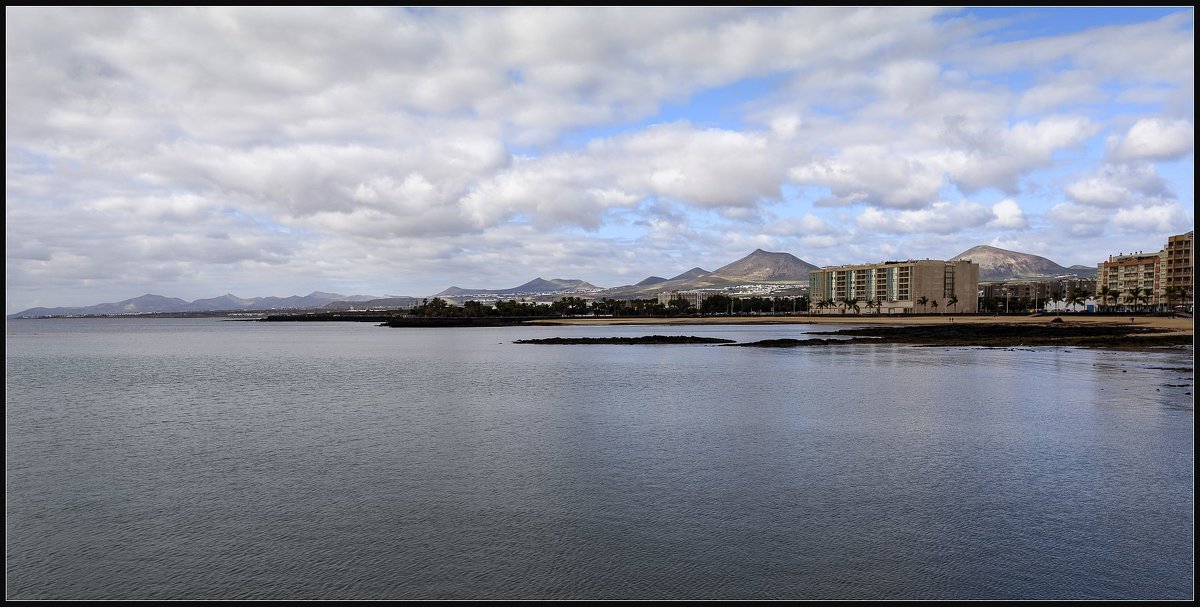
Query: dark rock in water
(400,322)
(1059,319)
(649,339)
(797,343)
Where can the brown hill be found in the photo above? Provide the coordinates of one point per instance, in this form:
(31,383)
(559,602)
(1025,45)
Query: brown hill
(764,266)
(695,272)
(1000,264)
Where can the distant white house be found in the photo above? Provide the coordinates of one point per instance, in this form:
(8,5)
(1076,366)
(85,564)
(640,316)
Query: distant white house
(1061,305)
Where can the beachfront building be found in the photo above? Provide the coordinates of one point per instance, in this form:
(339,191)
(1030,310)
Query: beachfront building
(1179,280)
(1150,281)
(1014,295)
(896,287)
(1133,279)
(695,298)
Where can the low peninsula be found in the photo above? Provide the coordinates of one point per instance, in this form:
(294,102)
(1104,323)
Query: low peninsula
(646,340)
(996,335)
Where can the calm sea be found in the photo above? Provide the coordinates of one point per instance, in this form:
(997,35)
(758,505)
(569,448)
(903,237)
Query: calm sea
(205,459)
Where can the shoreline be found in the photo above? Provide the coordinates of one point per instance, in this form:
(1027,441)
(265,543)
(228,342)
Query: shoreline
(988,335)
(1172,325)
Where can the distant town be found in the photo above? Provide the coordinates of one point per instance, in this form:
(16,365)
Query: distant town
(983,279)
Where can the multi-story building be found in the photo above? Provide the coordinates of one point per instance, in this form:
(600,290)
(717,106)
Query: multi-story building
(898,287)
(1150,280)
(1033,293)
(1179,271)
(1135,279)
(695,298)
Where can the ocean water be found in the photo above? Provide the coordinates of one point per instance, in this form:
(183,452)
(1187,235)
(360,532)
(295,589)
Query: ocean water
(206,459)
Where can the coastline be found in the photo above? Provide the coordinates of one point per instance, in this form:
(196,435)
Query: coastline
(1172,325)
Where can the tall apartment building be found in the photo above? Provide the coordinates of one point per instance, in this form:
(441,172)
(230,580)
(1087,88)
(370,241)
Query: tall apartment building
(899,285)
(1135,276)
(1180,269)
(1143,279)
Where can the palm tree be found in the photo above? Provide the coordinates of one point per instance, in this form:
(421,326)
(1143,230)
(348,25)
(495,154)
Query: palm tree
(850,302)
(953,302)
(1140,295)
(874,303)
(1107,293)
(1146,296)
(934,304)
(922,301)
(1078,297)
(1133,296)
(1172,293)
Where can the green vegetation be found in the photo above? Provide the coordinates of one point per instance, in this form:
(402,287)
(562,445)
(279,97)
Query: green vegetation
(716,304)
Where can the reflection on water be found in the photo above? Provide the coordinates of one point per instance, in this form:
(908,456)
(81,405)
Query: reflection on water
(206,459)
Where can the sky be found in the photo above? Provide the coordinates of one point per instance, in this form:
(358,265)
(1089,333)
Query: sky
(193,152)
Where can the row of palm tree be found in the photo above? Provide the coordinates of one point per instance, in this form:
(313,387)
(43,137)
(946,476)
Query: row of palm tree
(852,303)
(1174,294)
(1132,297)
(1139,295)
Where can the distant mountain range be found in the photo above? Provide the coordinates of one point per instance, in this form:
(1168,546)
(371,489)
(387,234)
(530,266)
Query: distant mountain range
(650,280)
(537,285)
(695,272)
(762,266)
(996,264)
(758,268)
(149,304)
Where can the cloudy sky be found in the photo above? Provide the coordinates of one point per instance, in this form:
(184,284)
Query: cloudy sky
(194,152)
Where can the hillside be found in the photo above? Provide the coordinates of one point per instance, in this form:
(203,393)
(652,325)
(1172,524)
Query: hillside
(157,304)
(764,266)
(695,272)
(757,267)
(1001,264)
(650,280)
(537,285)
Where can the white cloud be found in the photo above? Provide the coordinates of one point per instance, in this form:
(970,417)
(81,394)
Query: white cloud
(1163,219)
(1115,185)
(1077,220)
(910,175)
(875,174)
(940,218)
(1155,139)
(1062,90)
(1008,215)
(708,168)
(1160,50)
(999,157)
(215,148)
(808,224)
